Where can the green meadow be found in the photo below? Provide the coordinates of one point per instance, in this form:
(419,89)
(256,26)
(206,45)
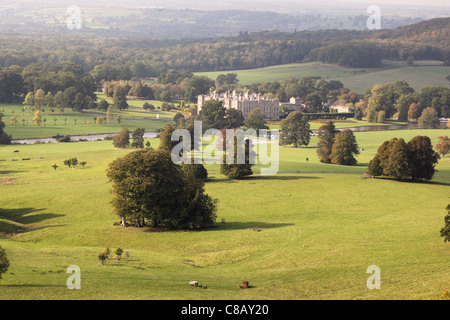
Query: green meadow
(70,122)
(308,232)
(421,74)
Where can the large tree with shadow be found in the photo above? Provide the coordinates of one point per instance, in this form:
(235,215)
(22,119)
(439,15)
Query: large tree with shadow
(149,187)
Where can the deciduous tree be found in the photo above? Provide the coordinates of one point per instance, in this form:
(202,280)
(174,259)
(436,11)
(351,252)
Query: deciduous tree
(148,186)
(443,145)
(428,119)
(122,140)
(295,129)
(256,120)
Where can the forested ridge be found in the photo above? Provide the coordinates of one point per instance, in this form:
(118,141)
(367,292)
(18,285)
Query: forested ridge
(150,58)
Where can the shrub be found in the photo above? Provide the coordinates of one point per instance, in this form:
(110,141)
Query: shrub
(102,257)
(119,252)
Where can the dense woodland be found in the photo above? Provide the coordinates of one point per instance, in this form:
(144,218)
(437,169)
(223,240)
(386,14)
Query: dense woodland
(150,58)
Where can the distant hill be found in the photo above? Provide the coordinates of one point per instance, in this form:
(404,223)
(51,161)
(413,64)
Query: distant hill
(434,29)
(434,32)
(147,57)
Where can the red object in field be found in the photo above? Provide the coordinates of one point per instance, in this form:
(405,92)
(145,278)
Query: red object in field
(245,283)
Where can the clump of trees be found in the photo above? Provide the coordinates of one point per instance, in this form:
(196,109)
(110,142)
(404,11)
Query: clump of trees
(122,139)
(399,160)
(336,147)
(398,99)
(214,115)
(72,163)
(353,54)
(149,188)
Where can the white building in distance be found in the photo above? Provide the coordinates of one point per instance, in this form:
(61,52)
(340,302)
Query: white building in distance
(245,102)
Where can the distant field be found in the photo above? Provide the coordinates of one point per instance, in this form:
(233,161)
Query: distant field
(309,232)
(79,123)
(423,73)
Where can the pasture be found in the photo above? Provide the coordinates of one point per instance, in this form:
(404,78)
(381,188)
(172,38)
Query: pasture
(309,232)
(421,74)
(69,122)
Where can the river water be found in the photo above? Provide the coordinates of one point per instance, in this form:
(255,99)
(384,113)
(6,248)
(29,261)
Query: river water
(150,134)
(88,137)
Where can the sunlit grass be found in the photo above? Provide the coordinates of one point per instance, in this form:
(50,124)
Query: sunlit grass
(320,227)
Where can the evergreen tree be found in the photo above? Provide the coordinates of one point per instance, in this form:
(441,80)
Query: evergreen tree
(326,135)
(399,159)
(344,149)
(103,104)
(375,168)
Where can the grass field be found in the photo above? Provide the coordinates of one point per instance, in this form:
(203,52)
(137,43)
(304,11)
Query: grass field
(320,226)
(423,73)
(80,123)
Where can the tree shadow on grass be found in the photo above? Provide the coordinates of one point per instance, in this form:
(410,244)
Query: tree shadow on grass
(235,225)
(261,177)
(9,228)
(421,182)
(218,226)
(280,177)
(5,172)
(18,220)
(32,285)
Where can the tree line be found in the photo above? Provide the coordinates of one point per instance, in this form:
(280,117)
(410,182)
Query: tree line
(123,59)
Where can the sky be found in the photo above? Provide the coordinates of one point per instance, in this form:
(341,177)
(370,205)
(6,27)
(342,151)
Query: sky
(256,2)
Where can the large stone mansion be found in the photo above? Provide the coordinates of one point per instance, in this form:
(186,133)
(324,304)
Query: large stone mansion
(245,102)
